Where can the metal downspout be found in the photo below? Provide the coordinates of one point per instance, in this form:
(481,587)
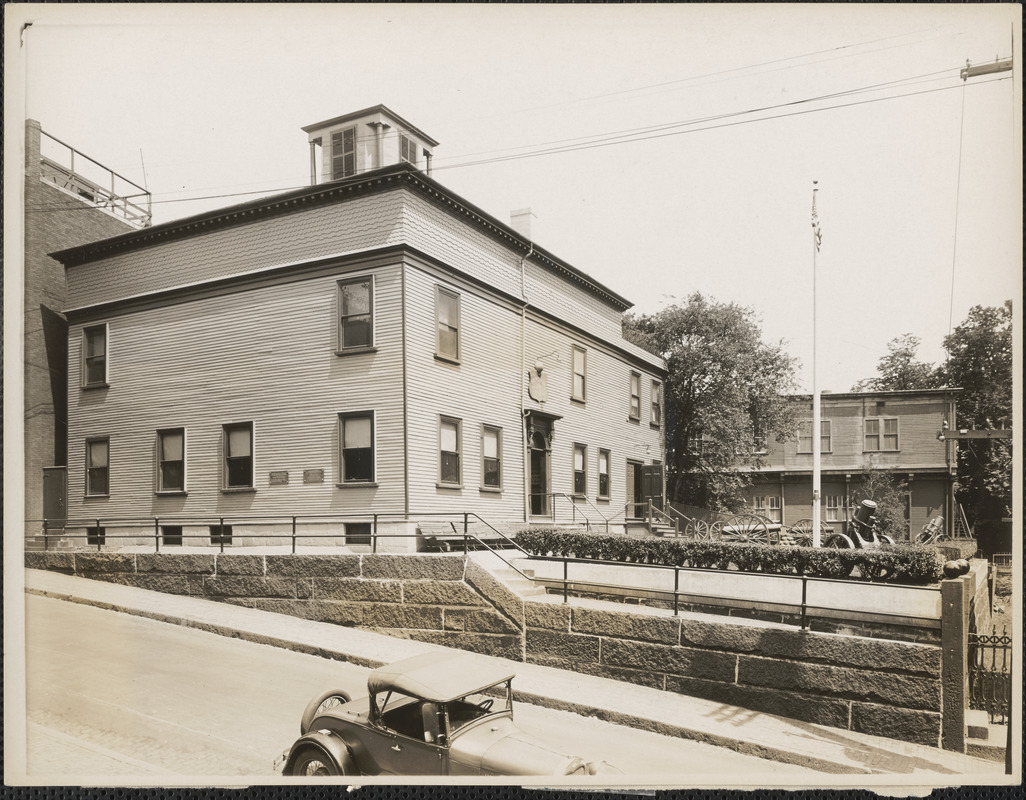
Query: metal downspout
(523,367)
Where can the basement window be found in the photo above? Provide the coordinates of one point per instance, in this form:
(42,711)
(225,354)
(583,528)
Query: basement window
(220,534)
(96,536)
(171,535)
(358,533)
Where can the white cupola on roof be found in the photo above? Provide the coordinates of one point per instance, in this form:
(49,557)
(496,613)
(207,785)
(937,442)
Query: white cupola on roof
(365,140)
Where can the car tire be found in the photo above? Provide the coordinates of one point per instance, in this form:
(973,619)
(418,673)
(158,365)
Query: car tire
(312,762)
(315,707)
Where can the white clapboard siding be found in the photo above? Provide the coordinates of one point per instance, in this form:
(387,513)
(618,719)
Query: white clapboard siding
(440,233)
(484,389)
(266,355)
(345,227)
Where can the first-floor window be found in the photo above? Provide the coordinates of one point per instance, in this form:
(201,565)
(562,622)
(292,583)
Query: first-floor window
(171,460)
(98,467)
(357,447)
(768,506)
(834,508)
(603,473)
(491,457)
(238,456)
(449,441)
(580,469)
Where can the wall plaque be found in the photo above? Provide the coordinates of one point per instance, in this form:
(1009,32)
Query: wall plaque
(279,478)
(313,476)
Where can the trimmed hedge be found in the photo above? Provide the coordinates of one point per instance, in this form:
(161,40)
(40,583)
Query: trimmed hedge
(904,563)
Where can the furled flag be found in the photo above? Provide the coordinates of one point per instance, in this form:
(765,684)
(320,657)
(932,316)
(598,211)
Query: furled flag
(817,234)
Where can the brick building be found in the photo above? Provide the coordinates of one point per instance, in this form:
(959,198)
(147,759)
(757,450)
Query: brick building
(69,200)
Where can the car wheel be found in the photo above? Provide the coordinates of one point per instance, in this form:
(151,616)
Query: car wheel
(312,762)
(320,704)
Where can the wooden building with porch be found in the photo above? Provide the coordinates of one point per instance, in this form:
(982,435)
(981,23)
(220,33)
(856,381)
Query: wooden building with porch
(896,432)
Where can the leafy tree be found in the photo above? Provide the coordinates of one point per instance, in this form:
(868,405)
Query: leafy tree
(724,396)
(980,363)
(899,369)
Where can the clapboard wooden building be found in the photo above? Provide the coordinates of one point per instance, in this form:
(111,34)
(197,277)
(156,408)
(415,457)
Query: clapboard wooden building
(371,345)
(895,431)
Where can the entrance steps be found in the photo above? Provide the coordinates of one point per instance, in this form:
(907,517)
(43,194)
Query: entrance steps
(507,575)
(984,738)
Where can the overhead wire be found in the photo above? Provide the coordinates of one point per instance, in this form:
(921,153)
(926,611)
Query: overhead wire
(634,135)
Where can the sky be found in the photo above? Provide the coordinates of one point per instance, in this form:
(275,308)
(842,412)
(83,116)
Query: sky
(668,178)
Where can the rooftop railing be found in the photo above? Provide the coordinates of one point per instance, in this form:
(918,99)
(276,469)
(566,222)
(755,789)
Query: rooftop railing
(71,170)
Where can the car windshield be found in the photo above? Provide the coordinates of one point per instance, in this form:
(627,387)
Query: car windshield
(468,708)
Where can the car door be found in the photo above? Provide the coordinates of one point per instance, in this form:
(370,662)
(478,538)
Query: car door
(395,741)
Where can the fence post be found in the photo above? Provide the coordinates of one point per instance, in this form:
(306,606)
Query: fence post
(293,534)
(220,532)
(565,565)
(650,514)
(46,535)
(465,519)
(156,534)
(805,587)
(676,588)
(374,535)
(99,546)
(955,599)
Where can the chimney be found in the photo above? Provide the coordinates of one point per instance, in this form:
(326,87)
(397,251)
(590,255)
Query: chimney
(520,221)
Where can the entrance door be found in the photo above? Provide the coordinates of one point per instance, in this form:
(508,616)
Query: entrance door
(652,484)
(539,476)
(55,490)
(635,490)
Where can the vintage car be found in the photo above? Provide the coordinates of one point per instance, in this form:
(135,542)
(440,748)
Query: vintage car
(444,713)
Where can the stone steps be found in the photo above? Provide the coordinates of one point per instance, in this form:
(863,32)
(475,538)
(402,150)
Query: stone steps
(985,739)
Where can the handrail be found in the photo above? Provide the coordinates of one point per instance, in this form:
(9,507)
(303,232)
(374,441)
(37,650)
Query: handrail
(574,498)
(654,512)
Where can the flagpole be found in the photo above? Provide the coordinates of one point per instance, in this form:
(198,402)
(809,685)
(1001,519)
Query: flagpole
(816,425)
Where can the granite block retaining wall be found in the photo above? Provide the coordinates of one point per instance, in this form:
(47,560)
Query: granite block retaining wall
(872,685)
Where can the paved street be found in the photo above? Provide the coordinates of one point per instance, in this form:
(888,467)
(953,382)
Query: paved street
(117,695)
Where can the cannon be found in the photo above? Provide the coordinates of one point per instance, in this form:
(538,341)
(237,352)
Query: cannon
(862,531)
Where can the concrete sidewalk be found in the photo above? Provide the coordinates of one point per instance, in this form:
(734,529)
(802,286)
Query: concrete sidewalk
(817,747)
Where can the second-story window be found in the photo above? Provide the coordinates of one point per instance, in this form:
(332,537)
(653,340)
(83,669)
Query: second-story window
(356,313)
(407,149)
(94,355)
(805,436)
(635,408)
(580,469)
(657,403)
(356,432)
(238,456)
(881,434)
(171,460)
(447,314)
(343,153)
(579,359)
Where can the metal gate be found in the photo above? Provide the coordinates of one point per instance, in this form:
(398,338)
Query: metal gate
(990,674)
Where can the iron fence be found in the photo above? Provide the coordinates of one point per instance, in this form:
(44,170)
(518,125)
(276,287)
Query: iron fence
(990,674)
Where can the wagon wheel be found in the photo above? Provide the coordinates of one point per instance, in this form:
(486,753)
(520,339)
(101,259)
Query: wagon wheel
(699,530)
(747,528)
(839,542)
(802,532)
(715,531)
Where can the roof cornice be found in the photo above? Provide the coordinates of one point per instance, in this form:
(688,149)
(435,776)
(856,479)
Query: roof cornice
(327,193)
